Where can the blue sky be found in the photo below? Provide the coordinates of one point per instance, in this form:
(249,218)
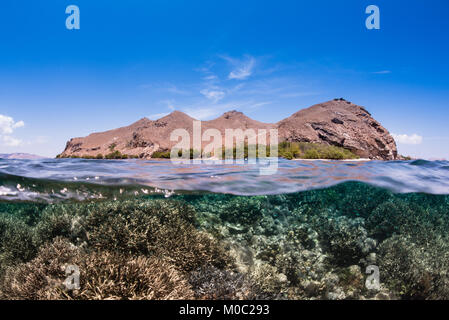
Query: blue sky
(268,59)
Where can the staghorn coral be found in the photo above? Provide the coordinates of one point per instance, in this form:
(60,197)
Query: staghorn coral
(103,275)
(270,283)
(107,275)
(61,220)
(16,243)
(143,227)
(416,270)
(244,210)
(154,227)
(346,240)
(27,212)
(308,245)
(39,278)
(212,283)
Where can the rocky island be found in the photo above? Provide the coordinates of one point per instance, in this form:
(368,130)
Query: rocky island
(337,123)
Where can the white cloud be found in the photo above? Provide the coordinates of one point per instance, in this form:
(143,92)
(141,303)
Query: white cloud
(10,141)
(7,127)
(259,104)
(165,87)
(382,72)
(210,77)
(158,115)
(408,139)
(7,124)
(202,113)
(243,69)
(214,95)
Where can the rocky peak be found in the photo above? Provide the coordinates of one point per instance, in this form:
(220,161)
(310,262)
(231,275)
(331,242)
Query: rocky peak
(232,114)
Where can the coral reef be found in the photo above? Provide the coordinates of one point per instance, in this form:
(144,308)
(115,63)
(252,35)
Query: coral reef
(103,275)
(212,283)
(16,242)
(310,245)
(317,244)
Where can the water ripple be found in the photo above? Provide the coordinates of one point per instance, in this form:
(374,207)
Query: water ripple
(60,179)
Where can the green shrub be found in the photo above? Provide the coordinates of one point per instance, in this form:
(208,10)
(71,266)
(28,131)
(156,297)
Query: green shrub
(312,154)
(112,146)
(116,155)
(306,150)
(161,155)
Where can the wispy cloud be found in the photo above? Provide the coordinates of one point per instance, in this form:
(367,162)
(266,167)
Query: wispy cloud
(9,141)
(158,115)
(259,104)
(413,139)
(243,69)
(298,94)
(202,113)
(168,87)
(214,95)
(382,72)
(210,77)
(170,104)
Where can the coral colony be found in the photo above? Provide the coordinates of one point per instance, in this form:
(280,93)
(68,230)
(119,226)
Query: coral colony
(310,245)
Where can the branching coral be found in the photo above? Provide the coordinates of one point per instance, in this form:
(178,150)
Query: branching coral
(16,243)
(157,227)
(416,271)
(103,275)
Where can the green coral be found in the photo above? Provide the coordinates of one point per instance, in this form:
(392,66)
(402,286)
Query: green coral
(16,242)
(413,270)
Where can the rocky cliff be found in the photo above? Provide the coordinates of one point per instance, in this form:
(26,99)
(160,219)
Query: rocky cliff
(337,122)
(343,124)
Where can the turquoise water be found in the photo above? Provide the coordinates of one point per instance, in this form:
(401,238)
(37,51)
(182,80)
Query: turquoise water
(154,230)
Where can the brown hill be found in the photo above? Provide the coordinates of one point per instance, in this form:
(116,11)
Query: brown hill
(21,156)
(342,124)
(336,122)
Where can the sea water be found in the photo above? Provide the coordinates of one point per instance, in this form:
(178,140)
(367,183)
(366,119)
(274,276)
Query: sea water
(132,229)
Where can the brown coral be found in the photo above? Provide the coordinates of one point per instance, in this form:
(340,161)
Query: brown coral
(103,275)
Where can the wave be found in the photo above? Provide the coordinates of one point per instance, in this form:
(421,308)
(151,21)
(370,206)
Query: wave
(53,180)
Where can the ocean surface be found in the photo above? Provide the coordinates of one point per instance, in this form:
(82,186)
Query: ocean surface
(59,179)
(156,230)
